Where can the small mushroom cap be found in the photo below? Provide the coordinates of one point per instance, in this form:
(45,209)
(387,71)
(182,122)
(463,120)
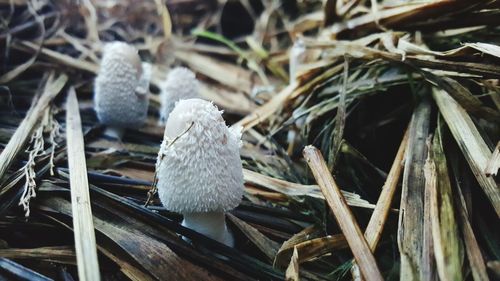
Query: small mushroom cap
(115,99)
(181,83)
(199,167)
(124,51)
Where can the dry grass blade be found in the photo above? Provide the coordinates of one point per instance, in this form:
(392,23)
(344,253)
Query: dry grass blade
(383,206)
(231,101)
(131,271)
(343,215)
(61,254)
(464,97)
(23,131)
(292,272)
(446,240)
(83,225)
(472,249)
(152,255)
(494,162)
(283,97)
(357,50)
(489,49)
(340,117)
(494,266)
(281,186)
(470,142)
(428,269)
(91,20)
(401,16)
(63,59)
(14,2)
(166,19)
(286,250)
(369,117)
(18,272)
(310,249)
(486,48)
(266,245)
(296,189)
(18,70)
(414,266)
(377,221)
(263,112)
(225,73)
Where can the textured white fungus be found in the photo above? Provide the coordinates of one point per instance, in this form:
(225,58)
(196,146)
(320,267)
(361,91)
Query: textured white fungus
(181,83)
(201,170)
(115,98)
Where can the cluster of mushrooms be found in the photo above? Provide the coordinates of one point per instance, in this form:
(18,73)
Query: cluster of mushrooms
(199,170)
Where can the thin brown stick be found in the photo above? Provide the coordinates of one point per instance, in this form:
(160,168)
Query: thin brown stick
(83,225)
(377,221)
(342,213)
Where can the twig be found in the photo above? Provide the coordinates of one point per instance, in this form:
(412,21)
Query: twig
(342,213)
(377,221)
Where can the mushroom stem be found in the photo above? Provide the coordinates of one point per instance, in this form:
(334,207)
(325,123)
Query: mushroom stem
(211,224)
(114,132)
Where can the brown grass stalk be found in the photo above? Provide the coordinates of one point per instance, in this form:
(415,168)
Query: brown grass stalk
(377,221)
(83,225)
(470,142)
(343,215)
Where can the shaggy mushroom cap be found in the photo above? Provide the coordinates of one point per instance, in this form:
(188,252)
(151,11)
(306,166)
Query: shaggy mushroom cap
(116,101)
(181,84)
(199,167)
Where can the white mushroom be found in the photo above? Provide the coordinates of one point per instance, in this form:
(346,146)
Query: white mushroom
(181,84)
(199,168)
(116,100)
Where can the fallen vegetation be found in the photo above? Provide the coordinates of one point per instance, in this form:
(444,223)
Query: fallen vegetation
(400,99)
